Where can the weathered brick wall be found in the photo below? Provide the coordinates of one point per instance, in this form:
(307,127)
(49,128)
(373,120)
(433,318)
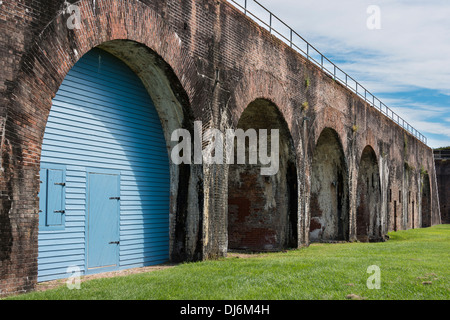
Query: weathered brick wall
(217,62)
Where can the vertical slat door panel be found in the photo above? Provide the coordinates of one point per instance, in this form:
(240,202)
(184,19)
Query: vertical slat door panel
(103,220)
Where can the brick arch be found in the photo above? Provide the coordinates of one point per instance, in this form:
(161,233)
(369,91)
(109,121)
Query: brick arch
(332,128)
(262,88)
(366,138)
(328,118)
(369,146)
(260,85)
(57,48)
(42,70)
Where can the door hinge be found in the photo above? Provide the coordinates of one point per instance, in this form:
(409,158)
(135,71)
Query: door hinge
(114,198)
(60,184)
(114,242)
(59,211)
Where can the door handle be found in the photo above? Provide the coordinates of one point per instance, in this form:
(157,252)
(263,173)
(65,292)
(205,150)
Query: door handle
(114,242)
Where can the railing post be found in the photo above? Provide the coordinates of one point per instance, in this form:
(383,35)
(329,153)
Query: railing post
(245,7)
(270,22)
(291,37)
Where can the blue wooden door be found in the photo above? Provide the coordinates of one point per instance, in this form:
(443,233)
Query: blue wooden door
(103,220)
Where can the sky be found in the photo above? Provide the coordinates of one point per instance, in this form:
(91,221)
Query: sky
(404,60)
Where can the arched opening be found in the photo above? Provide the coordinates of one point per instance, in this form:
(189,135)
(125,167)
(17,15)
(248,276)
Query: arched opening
(329,190)
(369,198)
(410,199)
(174,110)
(107,186)
(262,209)
(426,201)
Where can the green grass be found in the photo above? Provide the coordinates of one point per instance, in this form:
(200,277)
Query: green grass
(321,271)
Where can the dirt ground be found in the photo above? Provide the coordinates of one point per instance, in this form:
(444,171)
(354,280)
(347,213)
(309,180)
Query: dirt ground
(42,286)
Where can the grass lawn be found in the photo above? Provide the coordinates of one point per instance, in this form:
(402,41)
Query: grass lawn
(414,264)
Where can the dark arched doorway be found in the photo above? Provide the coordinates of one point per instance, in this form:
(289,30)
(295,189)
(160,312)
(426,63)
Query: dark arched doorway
(426,201)
(369,198)
(329,190)
(262,209)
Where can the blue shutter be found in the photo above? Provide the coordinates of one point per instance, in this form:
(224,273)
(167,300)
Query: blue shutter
(51,197)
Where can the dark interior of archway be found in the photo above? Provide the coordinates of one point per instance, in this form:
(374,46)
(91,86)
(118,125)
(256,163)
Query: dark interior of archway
(329,190)
(426,201)
(368,198)
(262,210)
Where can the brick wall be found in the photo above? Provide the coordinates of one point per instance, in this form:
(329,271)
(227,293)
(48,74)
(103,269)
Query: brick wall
(216,62)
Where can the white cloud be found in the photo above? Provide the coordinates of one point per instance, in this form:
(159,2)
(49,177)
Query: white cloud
(411,49)
(438,143)
(425,119)
(410,52)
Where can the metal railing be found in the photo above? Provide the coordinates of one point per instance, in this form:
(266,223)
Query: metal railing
(297,42)
(441,154)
